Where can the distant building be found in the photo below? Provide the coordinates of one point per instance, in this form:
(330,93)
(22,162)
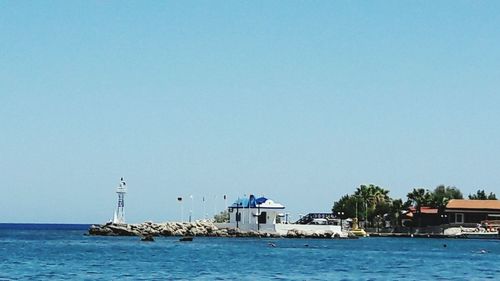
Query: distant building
(471,212)
(428,217)
(458,212)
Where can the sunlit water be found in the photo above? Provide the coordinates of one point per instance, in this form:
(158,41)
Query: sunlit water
(52,253)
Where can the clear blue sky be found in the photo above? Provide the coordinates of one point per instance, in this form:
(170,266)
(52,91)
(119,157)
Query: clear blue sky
(299,101)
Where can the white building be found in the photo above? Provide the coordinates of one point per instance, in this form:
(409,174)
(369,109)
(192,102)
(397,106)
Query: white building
(260,214)
(252,213)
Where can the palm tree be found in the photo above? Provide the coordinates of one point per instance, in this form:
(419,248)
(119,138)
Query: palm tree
(374,198)
(364,193)
(419,197)
(379,196)
(396,207)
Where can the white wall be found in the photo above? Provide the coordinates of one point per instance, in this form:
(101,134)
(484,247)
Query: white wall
(282,229)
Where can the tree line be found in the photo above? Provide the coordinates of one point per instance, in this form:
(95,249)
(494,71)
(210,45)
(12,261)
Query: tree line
(372,203)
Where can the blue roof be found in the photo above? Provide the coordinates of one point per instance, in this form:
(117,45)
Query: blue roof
(249,202)
(260,200)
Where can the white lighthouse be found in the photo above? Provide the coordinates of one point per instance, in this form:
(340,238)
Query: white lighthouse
(119,216)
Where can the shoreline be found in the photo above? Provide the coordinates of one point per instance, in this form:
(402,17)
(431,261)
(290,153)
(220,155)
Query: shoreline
(209,229)
(464,235)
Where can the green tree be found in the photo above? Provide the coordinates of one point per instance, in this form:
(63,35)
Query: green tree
(375,201)
(441,195)
(370,202)
(222,217)
(481,195)
(394,214)
(347,205)
(419,197)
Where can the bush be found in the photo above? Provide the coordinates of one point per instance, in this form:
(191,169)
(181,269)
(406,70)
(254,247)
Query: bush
(222,217)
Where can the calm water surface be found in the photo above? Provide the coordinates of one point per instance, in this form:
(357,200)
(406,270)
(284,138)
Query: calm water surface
(63,252)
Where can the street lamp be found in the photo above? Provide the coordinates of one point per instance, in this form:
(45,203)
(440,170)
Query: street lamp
(378,223)
(340,214)
(443,219)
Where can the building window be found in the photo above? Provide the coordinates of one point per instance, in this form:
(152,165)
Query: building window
(262,217)
(459,218)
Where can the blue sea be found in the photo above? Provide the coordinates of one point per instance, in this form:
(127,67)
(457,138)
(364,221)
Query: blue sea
(63,252)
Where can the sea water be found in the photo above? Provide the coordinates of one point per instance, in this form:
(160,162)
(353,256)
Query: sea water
(63,252)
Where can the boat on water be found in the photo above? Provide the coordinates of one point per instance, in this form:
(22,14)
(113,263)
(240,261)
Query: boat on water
(186,239)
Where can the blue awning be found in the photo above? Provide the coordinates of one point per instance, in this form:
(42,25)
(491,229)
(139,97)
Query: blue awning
(260,200)
(251,202)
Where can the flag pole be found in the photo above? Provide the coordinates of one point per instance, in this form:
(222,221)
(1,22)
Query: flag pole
(191,209)
(215,205)
(179,199)
(204,209)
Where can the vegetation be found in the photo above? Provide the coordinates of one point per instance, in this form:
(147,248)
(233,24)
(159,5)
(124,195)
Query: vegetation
(438,198)
(368,203)
(481,195)
(441,195)
(395,214)
(372,203)
(222,217)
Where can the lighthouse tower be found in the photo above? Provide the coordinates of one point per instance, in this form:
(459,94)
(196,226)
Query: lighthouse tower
(119,216)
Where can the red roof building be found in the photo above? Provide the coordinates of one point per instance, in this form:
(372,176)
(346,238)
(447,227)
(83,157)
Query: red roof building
(471,212)
(428,217)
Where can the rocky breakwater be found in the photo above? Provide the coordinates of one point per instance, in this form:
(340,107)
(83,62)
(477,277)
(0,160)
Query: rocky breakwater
(198,228)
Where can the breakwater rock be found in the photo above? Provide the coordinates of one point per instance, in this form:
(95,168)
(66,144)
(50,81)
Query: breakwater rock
(198,228)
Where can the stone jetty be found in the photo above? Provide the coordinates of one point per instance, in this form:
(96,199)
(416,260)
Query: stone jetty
(198,228)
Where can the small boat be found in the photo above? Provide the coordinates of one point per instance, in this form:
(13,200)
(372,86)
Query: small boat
(186,239)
